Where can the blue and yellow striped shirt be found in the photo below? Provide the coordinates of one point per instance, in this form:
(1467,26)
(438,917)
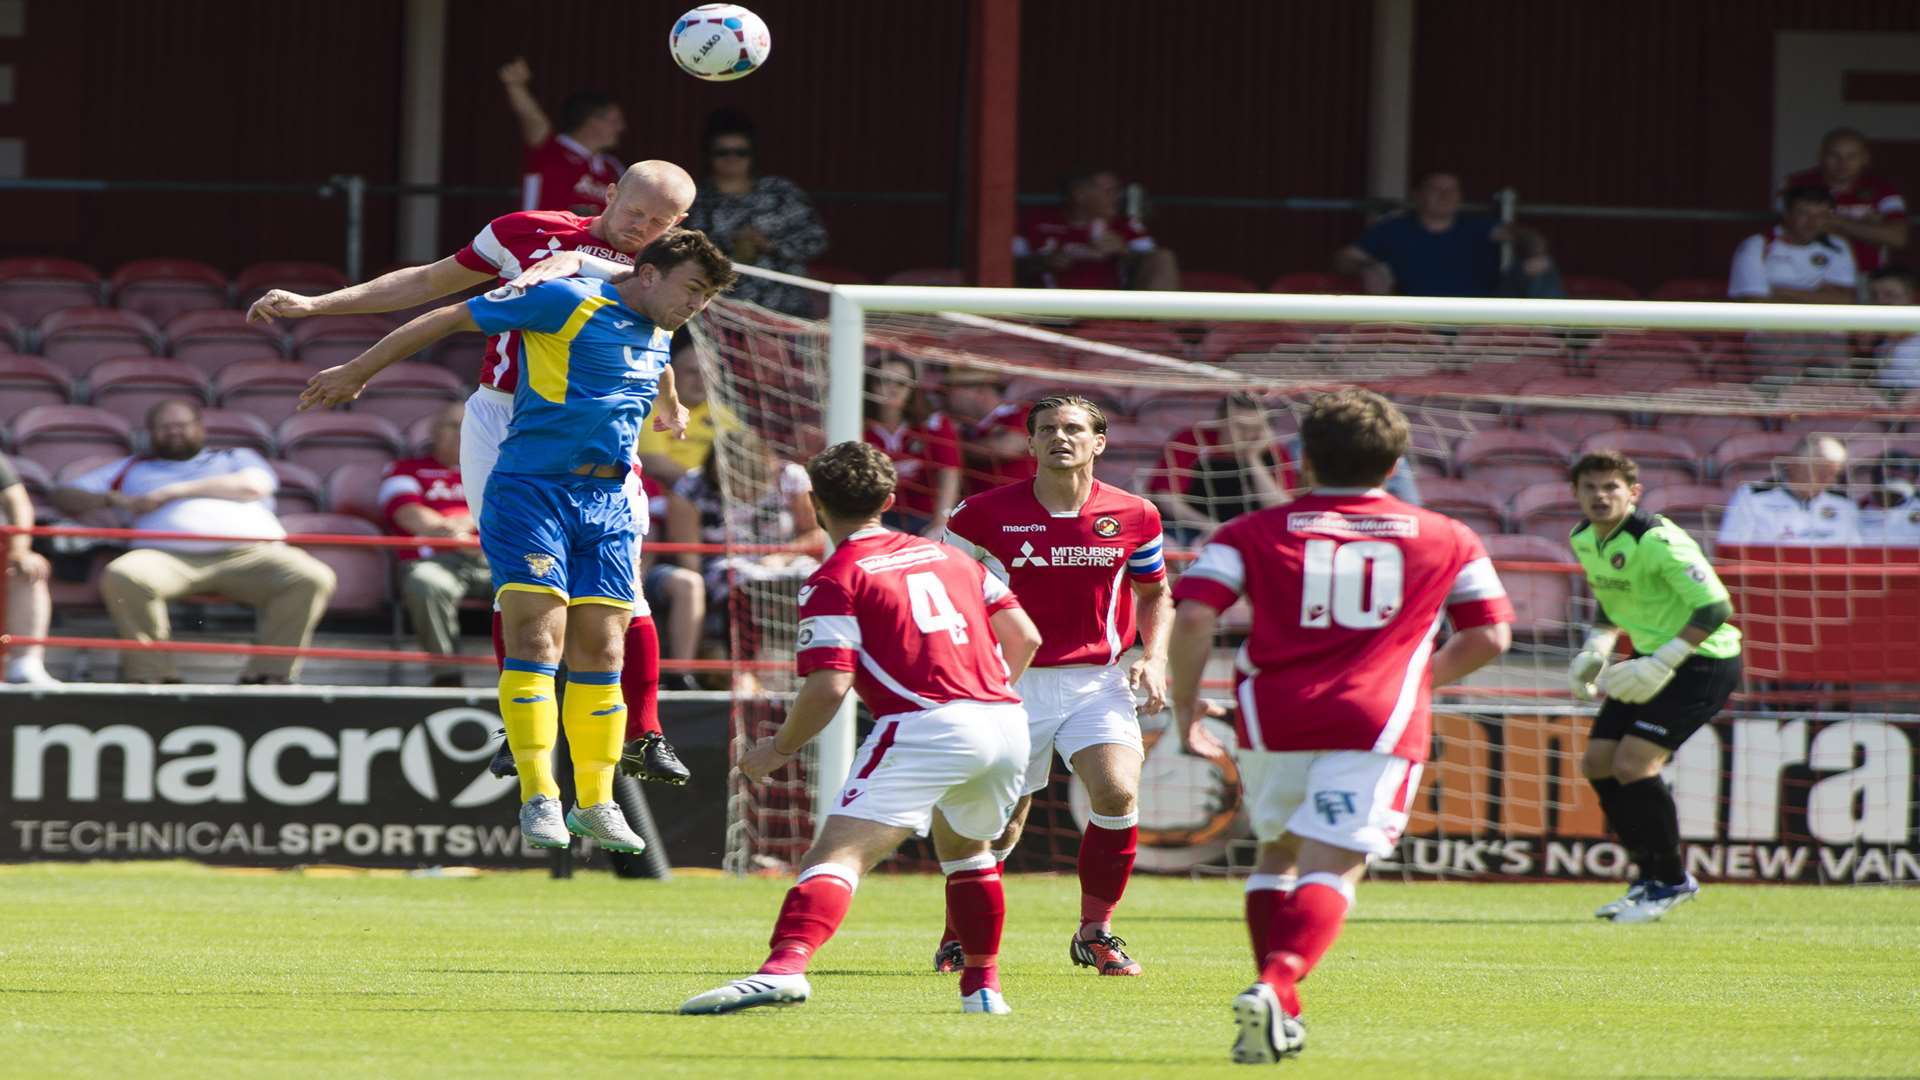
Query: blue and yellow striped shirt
(592,369)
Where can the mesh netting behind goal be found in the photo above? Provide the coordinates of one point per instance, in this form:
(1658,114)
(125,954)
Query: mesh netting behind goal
(1810,776)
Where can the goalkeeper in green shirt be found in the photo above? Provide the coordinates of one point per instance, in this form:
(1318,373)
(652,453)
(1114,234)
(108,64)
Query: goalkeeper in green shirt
(1651,581)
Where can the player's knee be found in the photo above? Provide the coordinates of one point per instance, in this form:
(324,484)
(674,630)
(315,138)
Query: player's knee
(1634,763)
(1111,800)
(1597,763)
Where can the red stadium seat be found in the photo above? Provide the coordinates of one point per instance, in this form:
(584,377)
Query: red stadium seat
(1145,336)
(33,288)
(299,491)
(1692,289)
(1694,507)
(1820,398)
(1497,445)
(1473,504)
(928,275)
(269,389)
(1542,599)
(26,381)
(1708,430)
(324,441)
(1170,412)
(1547,510)
(405,393)
(1316,281)
(305,278)
(1123,467)
(1255,342)
(1215,281)
(13,336)
(460,354)
(1505,375)
(210,340)
(163,288)
(1577,425)
(226,430)
(355,489)
(1588,287)
(336,339)
(1663,459)
(1745,457)
(1634,373)
(130,386)
(365,574)
(55,435)
(78,338)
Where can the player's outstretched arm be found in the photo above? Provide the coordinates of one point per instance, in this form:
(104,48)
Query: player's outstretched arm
(515,77)
(812,710)
(1019,640)
(341,384)
(1467,651)
(407,287)
(1188,647)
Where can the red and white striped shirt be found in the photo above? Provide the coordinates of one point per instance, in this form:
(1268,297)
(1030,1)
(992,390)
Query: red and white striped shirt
(420,482)
(508,245)
(910,618)
(1348,589)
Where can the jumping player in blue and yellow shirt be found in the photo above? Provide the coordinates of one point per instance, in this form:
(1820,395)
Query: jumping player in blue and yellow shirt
(556,526)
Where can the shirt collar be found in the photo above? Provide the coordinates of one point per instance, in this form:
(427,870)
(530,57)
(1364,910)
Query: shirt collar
(1347,491)
(573,144)
(868,534)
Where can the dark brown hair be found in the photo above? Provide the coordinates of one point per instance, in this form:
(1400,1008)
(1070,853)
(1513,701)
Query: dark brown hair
(1353,438)
(688,245)
(918,406)
(851,479)
(1062,401)
(1604,461)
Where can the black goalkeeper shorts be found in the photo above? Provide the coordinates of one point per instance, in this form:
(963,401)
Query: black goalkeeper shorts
(1699,690)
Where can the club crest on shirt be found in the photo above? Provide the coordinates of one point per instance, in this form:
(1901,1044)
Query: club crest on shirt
(1619,560)
(539,565)
(804,639)
(1698,573)
(1829,513)
(1106,526)
(1818,260)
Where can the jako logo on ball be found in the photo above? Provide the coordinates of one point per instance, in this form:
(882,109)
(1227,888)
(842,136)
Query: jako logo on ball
(719,42)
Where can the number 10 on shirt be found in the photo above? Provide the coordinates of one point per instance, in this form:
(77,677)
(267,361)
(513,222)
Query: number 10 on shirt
(1357,585)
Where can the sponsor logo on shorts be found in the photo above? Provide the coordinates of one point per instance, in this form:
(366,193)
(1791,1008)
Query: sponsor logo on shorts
(1645,726)
(1333,805)
(1106,527)
(539,565)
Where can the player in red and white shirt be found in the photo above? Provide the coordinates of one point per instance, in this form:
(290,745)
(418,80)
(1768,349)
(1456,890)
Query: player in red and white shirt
(1349,587)
(930,642)
(568,168)
(522,249)
(1079,554)
(1796,263)
(1089,244)
(1868,211)
(424,497)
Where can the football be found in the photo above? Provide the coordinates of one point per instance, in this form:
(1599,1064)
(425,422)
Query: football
(719,42)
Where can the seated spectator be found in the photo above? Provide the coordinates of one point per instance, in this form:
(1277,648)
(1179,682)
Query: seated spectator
(1088,243)
(1797,262)
(676,594)
(1218,469)
(1804,507)
(1898,354)
(424,497)
(181,486)
(663,457)
(764,221)
(1867,211)
(1432,249)
(567,169)
(993,430)
(1890,511)
(923,444)
(29,600)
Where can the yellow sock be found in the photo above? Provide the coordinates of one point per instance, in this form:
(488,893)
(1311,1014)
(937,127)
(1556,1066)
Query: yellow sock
(596,719)
(533,724)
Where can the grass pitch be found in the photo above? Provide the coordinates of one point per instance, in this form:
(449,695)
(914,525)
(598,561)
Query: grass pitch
(145,970)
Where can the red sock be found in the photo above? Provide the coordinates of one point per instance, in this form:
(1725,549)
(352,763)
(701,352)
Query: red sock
(1263,902)
(1106,862)
(814,909)
(640,678)
(1302,930)
(977,908)
(499,641)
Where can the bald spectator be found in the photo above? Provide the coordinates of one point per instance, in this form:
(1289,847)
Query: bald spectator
(568,169)
(1867,211)
(1432,249)
(425,497)
(1804,507)
(1090,243)
(29,600)
(180,486)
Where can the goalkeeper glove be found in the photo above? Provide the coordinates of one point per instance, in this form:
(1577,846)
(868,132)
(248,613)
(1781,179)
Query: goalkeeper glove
(1636,681)
(1590,663)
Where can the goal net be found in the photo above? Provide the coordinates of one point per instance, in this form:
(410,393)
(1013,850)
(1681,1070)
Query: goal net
(1810,775)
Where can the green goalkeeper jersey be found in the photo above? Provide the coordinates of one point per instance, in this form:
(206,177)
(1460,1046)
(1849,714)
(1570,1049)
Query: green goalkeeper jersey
(1649,577)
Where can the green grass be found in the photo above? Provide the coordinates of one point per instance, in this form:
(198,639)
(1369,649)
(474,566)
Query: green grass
(141,971)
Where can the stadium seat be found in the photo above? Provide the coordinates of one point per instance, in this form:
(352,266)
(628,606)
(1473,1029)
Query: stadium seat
(226,430)
(1113,400)
(1663,458)
(336,339)
(1542,599)
(1576,425)
(1848,397)
(1749,457)
(299,491)
(1506,375)
(305,278)
(130,386)
(33,288)
(210,340)
(928,275)
(1871,447)
(1639,373)
(1546,348)
(1316,281)
(1125,467)
(163,288)
(1255,342)
(324,441)
(1546,509)
(355,489)
(1170,412)
(75,339)
(460,354)
(1589,287)
(269,389)
(365,574)
(1692,289)
(55,435)
(1694,507)
(39,484)
(13,336)
(1215,281)
(1506,459)
(26,381)
(418,438)
(1472,504)
(406,392)
(1149,337)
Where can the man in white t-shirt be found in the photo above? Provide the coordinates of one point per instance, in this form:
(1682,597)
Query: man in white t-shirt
(1805,508)
(1795,263)
(1899,354)
(180,486)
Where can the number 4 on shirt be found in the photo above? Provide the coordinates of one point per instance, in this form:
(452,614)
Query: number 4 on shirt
(933,610)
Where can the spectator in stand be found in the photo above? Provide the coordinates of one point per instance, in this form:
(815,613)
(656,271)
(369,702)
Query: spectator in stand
(181,486)
(1867,211)
(29,599)
(424,497)
(1218,469)
(1797,262)
(677,595)
(568,169)
(922,443)
(1089,243)
(1898,354)
(1804,507)
(1890,511)
(664,457)
(1432,249)
(764,221)
(993,430)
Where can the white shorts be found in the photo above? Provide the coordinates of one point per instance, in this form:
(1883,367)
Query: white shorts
(484,428)
(1353,799)
(1072,708)
(965,758)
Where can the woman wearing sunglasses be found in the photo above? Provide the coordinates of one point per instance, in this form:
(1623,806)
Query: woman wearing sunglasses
(764,221)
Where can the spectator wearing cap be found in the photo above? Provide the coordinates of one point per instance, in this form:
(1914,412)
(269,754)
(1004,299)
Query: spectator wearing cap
(1890,511)
(181,486)
(424,496)
(29,600)
(1867,211)
(1804,507)
(993,430)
